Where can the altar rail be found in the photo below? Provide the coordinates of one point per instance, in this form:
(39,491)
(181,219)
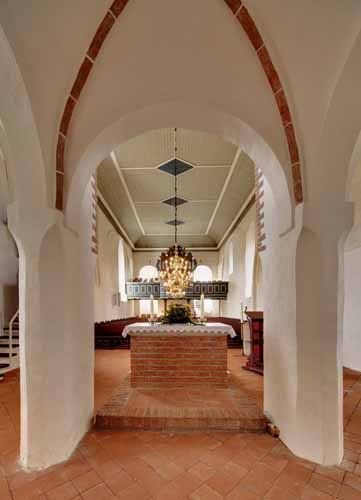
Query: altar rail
(217,290)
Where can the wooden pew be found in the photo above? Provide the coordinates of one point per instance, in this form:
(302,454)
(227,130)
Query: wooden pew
(255,325)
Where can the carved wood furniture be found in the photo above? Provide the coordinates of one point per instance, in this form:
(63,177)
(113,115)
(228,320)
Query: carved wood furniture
(217,290)
(255,360)
(108,334)
(232,342)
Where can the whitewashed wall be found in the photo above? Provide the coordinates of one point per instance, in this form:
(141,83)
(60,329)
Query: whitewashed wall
(237,280)
(209,259)
(106,273)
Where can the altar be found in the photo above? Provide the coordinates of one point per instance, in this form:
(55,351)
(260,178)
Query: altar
(178,355)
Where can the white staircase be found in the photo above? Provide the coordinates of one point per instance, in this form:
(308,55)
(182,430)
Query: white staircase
(9,346)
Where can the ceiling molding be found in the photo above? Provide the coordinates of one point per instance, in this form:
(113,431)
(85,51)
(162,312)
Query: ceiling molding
(229,176)
(228,165)
(250,201)
(179,234)
(162,201)
(164,249)
(121,176)
(112,218)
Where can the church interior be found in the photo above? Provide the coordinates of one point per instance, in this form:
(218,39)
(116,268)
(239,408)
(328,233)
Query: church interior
(180,250)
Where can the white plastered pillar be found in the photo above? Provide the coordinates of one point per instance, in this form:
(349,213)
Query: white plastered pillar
(56,355)
(319,316)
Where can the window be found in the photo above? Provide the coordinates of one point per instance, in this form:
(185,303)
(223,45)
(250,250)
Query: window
(203,273)
(121,272)
(230,258)
(147,273)
(220,268)
(249,260)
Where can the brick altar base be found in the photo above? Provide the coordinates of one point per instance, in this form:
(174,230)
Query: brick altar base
(171,361)
(227,409)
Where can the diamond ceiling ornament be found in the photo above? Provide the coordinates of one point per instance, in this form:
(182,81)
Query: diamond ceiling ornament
(175,167)
(175,201)
(177,265)
(175,222)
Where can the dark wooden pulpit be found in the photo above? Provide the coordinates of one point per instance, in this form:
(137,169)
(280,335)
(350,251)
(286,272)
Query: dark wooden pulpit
(255,359)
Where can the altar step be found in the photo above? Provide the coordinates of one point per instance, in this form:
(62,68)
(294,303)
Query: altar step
(204,409)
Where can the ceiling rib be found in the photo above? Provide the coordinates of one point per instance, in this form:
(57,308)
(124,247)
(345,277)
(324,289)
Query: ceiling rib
(121,176)
(229,176)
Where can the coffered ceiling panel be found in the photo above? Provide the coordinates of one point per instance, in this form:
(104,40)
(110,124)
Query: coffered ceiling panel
(202,183)
(157,146)
(114,193)
(195,216)
(197,241)
(149,185)
(236,193)
(138,178)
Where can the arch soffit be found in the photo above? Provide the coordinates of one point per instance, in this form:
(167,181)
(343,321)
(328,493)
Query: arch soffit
(164,115)
(340,147)
(19,141)
(246,23)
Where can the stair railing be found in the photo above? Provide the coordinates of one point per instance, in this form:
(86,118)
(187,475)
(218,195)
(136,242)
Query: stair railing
(16,315)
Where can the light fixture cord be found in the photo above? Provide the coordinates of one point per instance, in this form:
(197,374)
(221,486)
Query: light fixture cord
(175,188)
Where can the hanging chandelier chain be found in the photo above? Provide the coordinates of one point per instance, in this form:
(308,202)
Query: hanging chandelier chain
(175,188)
(176,266)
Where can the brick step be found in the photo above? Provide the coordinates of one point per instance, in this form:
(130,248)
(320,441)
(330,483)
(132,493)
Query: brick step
(181,410)
(179,424)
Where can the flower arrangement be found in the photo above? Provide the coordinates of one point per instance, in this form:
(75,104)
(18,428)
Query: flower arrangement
(178,313)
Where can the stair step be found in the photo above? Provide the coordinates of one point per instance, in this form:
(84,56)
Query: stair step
(6,355)
(6,337)
(3,365)
(7,344)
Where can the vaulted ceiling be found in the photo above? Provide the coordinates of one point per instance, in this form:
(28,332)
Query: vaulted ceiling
(214,180)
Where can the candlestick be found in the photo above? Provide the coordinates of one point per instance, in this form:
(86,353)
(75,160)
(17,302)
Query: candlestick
(202,307)
(151,308)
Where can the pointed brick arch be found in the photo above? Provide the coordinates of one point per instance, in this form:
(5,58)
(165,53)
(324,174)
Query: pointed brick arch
(246,22)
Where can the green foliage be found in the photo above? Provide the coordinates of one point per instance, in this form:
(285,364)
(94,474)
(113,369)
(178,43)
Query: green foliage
(178,313)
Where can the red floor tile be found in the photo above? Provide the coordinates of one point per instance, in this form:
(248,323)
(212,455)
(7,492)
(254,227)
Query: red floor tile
(178,466)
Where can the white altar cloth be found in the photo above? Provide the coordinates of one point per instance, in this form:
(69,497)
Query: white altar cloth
(178,329)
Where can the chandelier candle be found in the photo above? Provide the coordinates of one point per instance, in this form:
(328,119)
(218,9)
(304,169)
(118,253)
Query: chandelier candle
(202,307)
(151,308)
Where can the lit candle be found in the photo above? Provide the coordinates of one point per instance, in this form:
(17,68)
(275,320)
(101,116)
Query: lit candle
(151,308)
(202,307)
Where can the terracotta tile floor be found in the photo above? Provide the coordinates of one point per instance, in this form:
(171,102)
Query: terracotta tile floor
(177,466)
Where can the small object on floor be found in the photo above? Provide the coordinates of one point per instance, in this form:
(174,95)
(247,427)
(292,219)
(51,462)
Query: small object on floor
(273,430)
(228,372)
(2,377)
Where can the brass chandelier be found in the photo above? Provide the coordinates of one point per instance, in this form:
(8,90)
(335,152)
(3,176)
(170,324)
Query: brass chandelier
(176,265)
